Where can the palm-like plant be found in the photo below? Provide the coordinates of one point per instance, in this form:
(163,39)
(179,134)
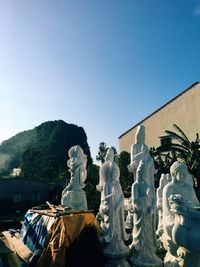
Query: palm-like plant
(185,150)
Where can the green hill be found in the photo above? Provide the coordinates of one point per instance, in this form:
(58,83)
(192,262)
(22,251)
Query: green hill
(42,152)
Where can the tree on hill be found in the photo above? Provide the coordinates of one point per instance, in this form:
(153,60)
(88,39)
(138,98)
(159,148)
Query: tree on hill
(42,152)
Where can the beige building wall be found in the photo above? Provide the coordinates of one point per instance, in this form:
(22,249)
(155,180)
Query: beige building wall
(183,110)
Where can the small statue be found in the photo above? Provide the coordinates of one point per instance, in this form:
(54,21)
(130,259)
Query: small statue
(129,217)
(112,211)
(143,230)
(163,182)
(73,196)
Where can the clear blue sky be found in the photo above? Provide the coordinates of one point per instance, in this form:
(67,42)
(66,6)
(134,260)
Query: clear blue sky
(100,64)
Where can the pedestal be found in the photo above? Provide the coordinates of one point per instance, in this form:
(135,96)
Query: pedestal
(136,261)
(75,200)
(116,253)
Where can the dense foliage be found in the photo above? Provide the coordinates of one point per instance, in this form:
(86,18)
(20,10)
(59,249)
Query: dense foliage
(102,152)
(180,149)
(126,178)
(42,152)
(93,196)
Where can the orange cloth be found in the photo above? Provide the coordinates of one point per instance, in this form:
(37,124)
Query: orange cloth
(63,232)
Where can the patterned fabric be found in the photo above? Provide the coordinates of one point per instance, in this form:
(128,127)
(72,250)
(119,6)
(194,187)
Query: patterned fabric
(35,230)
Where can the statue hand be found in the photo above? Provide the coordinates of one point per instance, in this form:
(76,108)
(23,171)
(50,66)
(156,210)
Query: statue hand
(105,209)
(99,216)
(130,167)
(149,192)
(99,187)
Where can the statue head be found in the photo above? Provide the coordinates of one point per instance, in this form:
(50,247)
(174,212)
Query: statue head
(179,172)
(76,155)
(140,171)
(140,135)
(109,155)
(74,151)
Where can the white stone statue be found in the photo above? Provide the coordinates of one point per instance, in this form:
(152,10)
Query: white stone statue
(140,151)
(73,196)
(185,232)
(181,184)
(129,217)
(112,210)
(159,193)
(143,230)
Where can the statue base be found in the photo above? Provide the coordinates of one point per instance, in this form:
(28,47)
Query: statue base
(117,263)
(75,200)
(116,253)
(138,262)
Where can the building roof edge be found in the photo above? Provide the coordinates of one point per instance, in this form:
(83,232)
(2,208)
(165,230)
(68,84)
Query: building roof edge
(184,91)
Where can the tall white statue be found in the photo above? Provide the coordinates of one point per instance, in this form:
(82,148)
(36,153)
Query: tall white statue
(164,179)
(112,209)
(143,230)
(181,184)
(73,196)
(140,151)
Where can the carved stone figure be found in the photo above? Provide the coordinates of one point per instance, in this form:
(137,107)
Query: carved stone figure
(129,217)
(112,210)
(73,196)
(140,151)
(185,231)
(143,230)
(163,182)
(181,184)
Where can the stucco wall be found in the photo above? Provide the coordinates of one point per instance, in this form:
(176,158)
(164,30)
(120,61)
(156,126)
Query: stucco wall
(183,110)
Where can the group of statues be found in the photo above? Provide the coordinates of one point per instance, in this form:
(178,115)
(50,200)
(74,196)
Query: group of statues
(168,217)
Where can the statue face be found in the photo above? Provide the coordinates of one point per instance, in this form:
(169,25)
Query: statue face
(140,139)
(140,135)
(109,155)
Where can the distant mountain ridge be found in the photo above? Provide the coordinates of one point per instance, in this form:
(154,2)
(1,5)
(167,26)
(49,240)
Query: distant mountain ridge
(43,151)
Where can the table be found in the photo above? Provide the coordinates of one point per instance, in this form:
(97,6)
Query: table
(54,235)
